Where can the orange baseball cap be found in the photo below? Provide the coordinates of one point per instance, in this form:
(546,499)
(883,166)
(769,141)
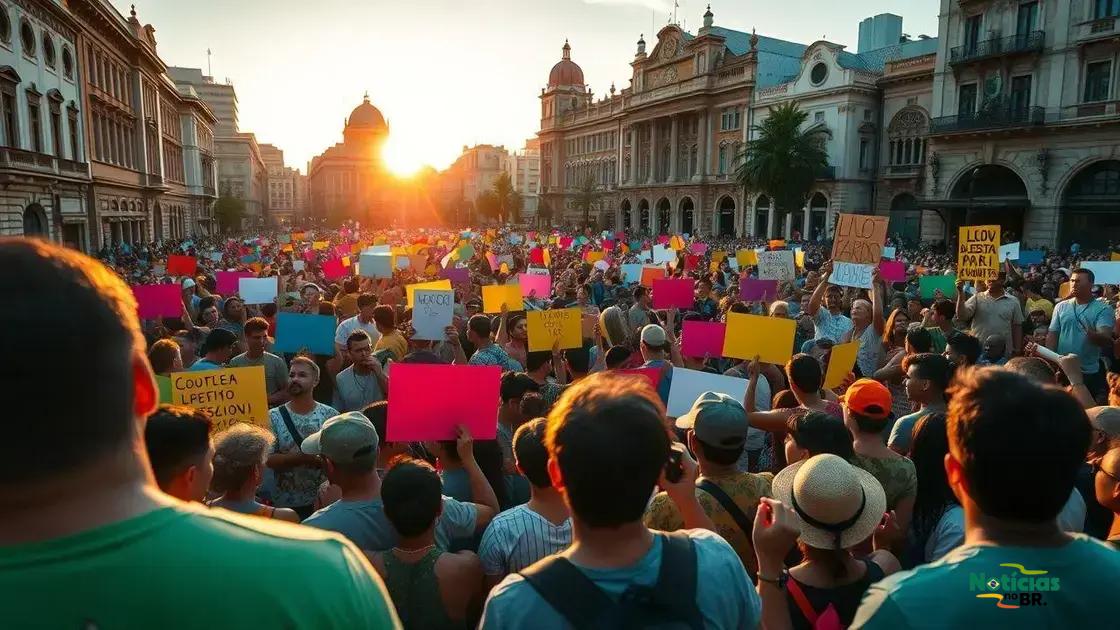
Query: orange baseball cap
(869,398)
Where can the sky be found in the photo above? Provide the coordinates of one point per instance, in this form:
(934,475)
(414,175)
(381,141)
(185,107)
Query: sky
(447,73)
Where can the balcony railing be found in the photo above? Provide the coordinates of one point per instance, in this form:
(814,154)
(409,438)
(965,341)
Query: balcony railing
(12,157)
(1099,109)
(904,170)
(1021,43)
(1002,116)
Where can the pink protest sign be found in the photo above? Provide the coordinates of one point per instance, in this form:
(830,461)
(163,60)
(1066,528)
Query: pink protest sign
(653,375)
(673,292)
(699,248)
(702,338)
(468,395)
(565,242)
(227,281)
(342,250)
(608,245)
(158,300)
(309,255)
(755,290)
(493,260)
(892,270)
(334,269)
(538,285)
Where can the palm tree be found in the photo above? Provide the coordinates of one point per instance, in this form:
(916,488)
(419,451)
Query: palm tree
(783,160)
(586,197)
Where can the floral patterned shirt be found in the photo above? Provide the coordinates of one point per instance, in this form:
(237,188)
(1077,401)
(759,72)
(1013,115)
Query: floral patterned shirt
(896,474)
(297,487)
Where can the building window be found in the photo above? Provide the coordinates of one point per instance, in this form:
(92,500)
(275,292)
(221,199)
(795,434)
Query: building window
(27,37)
(10,115)
(1020,95)
(67,63)
(966,100)
(864,155)
(818,117)
(56,129)
(818,74)
(48,50)
(1098,75)
(722,159)
(867,115)
(34,123)
(5,25)
(730,119)
(72,121)
(1106,8)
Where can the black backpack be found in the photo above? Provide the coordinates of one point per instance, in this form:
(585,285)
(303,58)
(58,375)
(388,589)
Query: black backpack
(670,603)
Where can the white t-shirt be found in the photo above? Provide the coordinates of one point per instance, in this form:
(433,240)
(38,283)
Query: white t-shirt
(348,326)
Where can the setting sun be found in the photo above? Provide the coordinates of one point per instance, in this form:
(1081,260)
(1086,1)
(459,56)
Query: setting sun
(403,159)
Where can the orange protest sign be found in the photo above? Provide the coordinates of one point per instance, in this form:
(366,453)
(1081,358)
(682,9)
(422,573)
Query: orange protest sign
(649,274)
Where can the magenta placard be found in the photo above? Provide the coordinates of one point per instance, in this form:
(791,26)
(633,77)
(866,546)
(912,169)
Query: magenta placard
(702,338)
(755,290)
(892,270)
(653,375)
(699,248)
(228,281)
(539,285)
(468,395)
(673,292)
(158,300)
(335,270)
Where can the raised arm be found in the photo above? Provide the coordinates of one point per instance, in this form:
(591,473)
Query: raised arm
(818,293)
(502,338)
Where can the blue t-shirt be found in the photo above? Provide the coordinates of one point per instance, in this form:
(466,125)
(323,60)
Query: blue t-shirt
(203,364)
(903,431)
(666,381)
(960,590)
(723,594)
(1070,320)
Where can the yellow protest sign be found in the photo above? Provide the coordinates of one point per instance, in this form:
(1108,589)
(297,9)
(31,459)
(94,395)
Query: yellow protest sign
(770,338)
(320,245)
(1114,257)
(746,257)
(799,258)
(410,290)
(228,396)
(345,261)
(718,257)
(676,243)
(495,295)
(840,363)
(545,327)
(978,252)
(594,257)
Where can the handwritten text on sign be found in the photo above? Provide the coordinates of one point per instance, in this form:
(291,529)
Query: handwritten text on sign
(978,252)
(545,327)
(227,396)
(776,265)
(859,238)
(432,313)
(848,274)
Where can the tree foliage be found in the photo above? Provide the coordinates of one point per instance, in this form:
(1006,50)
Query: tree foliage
(586,199)
(229,211)
(783,160)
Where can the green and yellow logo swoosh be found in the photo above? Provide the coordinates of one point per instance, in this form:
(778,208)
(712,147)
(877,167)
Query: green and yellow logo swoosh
(1024,570)
(999,599)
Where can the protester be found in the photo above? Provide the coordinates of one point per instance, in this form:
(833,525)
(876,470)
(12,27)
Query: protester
(391,338)
(992,312)
(378,415)
(1107,484)
(937,526)
(939,322)
(867,407)
(180,451)
(216,351)
(962,350)
(240,453)
(233,316)
(367,304)
(486,351)
(812,433)
(275,369)
(363,382)
(1082,325)
(830,323)
(927,378)
(541,365)
(165,358)
(190,341)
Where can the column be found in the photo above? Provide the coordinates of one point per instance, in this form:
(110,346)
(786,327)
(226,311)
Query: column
(769,221)
(702,145)
(806,234)
(673,149)
(652,153)
(633,155)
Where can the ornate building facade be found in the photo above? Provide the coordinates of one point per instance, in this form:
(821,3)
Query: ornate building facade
(349,179)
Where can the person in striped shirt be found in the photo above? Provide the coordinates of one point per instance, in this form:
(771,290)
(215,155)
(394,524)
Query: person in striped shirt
(523,535)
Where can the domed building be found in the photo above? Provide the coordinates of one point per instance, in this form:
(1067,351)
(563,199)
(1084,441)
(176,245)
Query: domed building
(349,180)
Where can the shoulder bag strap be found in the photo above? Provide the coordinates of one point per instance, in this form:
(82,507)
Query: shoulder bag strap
(803,603)
(744,522)
(568,591)
(677,579)
(287,416)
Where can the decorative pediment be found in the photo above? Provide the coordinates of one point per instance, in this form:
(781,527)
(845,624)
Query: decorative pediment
(9,74)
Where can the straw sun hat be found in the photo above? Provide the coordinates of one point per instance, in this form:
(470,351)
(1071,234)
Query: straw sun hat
(831,498)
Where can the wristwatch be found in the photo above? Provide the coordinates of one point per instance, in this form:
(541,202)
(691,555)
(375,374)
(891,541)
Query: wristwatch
(779,581)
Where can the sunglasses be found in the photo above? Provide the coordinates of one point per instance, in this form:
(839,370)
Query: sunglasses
(1096,466)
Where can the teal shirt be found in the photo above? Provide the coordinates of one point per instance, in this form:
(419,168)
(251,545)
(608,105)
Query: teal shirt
(1082,576)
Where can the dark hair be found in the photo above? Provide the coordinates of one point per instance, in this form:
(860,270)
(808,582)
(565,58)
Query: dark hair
(161,355)
(229,301)
(919,339)
(607,485)
(720,455)
(268,310)
(378,415)
(217,339)
(256,325)
(206,302)
(488,454)
(965,344)
(534,360)
(350,285)
(531,454)
(327,308)
(640,292)
(804,371)
(78,303)
(616,356)
(867,424)
(1033,368)
(928,448)
(1001,423)
(932,367)
(820,433)
(366,299)
(516,385)
(412,494)
(532,405)
(1087,271)
(385,316)
(945,308)
(479,325)
(579,359)
(358,335)
(784,399)
(175,435)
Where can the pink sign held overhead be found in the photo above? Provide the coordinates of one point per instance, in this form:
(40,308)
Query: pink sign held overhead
(335,270)
(468,395)
(673,292)
(653,375)
(892,270)
(699,248)
(158,300)
(227,281)
(755,290)
(538,285)
(702,338)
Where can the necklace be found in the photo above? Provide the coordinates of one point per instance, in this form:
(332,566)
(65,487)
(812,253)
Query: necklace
(410,551)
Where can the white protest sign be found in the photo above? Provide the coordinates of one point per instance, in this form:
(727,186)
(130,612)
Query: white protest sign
(777,265)
(298,265)
(889,253)
(1009,251)
(847,274)
(688,384)
(376,265)
(662,255)
(257,290)
(432,310)
(646,255)
(537,271)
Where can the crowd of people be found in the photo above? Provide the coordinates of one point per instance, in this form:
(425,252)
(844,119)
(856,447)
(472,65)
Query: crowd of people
(966,470)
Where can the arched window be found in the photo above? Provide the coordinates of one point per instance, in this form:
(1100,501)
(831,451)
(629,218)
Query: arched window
(5,25)
(67,63)
(906,135)
(48,50)
(722,159)
(27,38)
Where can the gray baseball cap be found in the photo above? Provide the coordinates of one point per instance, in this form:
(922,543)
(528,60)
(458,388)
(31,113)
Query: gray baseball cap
(1105,420)
(718,420)
(347,438)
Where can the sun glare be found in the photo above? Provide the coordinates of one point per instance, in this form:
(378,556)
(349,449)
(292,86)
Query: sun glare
(403,160)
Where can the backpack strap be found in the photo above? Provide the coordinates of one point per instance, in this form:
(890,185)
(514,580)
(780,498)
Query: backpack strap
(568,591)
(677,578)
(803,603)
(287,416)
(744,522)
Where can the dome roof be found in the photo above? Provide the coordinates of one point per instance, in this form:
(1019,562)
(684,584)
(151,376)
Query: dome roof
(366,116)
(566,71)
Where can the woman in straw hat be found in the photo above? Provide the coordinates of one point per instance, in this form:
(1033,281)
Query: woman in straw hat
(836,506)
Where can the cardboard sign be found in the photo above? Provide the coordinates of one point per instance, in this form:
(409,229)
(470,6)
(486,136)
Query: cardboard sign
(432,313)
(673,293)
(846,274)
(892,271)
(158,300)
(443,285)
(929,285)
(859,238)
(495,295)
(536,285)
(777,265)
(1104,272)
(228,396)
(545,327)
(181,265)
(1009,251)
(770,338)
(631,273)
(1030,257)
(296,332)
(258,290)
(335,270)
(978,252)
(662,255)
(375,265)
(840,363)
(299,265)
(746,257)
(467,395)
(457,275)
(688,385)
(702,338)
(755,290)
(649,274)
(228,282)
